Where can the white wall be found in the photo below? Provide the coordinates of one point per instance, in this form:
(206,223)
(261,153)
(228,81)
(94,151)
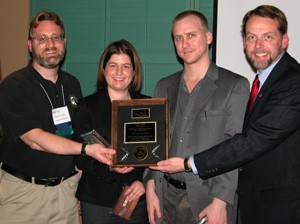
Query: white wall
(229,51)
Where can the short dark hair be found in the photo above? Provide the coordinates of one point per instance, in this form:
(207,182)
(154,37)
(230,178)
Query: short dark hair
(45,16)
(118,47)
(267,11)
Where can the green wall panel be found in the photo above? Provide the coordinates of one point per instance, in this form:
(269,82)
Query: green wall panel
(92,24)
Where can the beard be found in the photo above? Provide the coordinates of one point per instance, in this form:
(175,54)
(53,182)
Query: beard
(51,61)
(262,64)
(258,64)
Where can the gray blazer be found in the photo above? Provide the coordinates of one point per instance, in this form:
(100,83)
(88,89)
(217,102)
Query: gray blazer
(219,114)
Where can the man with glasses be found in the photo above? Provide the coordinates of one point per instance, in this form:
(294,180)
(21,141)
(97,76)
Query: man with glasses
(37,176)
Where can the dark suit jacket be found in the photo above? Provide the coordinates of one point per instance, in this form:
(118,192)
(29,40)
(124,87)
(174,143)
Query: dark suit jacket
(267,151)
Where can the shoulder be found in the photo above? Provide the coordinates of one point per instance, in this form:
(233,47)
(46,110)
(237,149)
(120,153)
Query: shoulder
(286,71)
(227,74)
(68,78)
(169,80)
(292,70)
(227,78)
(289,62)
(16,77)
(289,81)
(139,96)
(285,75)
(90,99)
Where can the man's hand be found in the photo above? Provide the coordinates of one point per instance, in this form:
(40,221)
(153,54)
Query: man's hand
(100,153)
(172,165)
(38,139)
(215,212)
(153,207)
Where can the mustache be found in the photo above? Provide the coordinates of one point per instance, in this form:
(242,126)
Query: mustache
(259,51)
(50,49)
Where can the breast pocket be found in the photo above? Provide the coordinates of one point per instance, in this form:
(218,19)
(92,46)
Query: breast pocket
(211,126)
(211,114)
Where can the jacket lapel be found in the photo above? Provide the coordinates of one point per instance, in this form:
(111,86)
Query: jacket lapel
(273,77)
(172,95)
(207,88)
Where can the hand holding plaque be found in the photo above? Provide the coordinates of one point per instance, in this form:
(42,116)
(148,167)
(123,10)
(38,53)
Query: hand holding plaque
(139,131)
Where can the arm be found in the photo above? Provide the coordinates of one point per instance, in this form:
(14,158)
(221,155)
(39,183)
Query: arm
(274,119)
(41,140)
(30,124)
(153,206)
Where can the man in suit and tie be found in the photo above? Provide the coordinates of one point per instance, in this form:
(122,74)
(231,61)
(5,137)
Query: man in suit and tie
(206,106)
(267,151)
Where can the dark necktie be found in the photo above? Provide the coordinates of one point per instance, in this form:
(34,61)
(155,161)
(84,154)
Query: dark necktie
(254,91)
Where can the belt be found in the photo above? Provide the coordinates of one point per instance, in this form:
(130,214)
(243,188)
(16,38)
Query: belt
(176,183)
(50,182)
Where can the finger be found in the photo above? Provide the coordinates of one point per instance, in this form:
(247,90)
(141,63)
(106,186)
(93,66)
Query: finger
(158,213)
(201,215)
(155,167)
(105,160)
(125,170)
(135,194)
(119,169)
(151,218)
(162,163)
(129,169)
(110,151)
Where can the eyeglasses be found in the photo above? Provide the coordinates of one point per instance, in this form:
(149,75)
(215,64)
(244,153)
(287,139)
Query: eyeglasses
(44,39)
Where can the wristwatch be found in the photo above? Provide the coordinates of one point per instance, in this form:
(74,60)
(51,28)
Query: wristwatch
(186,166)
(83,146)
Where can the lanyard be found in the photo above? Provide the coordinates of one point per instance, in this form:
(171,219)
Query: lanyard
(62,91)
(61,116)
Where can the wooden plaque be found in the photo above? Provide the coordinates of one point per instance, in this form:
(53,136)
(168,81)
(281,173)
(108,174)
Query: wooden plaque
(140,131)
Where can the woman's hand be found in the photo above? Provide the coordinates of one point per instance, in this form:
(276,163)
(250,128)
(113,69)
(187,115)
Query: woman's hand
(135,191)
(123,169)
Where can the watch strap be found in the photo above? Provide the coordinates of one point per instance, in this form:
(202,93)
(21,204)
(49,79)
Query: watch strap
(83,146)
(186,167)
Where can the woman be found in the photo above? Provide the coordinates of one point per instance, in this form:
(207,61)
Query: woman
(119,78)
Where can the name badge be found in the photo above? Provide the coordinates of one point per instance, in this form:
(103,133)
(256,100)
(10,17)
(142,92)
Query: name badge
(62,121)
(61,115)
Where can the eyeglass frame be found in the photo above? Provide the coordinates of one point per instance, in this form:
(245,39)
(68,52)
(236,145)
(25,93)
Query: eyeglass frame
(59,39)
